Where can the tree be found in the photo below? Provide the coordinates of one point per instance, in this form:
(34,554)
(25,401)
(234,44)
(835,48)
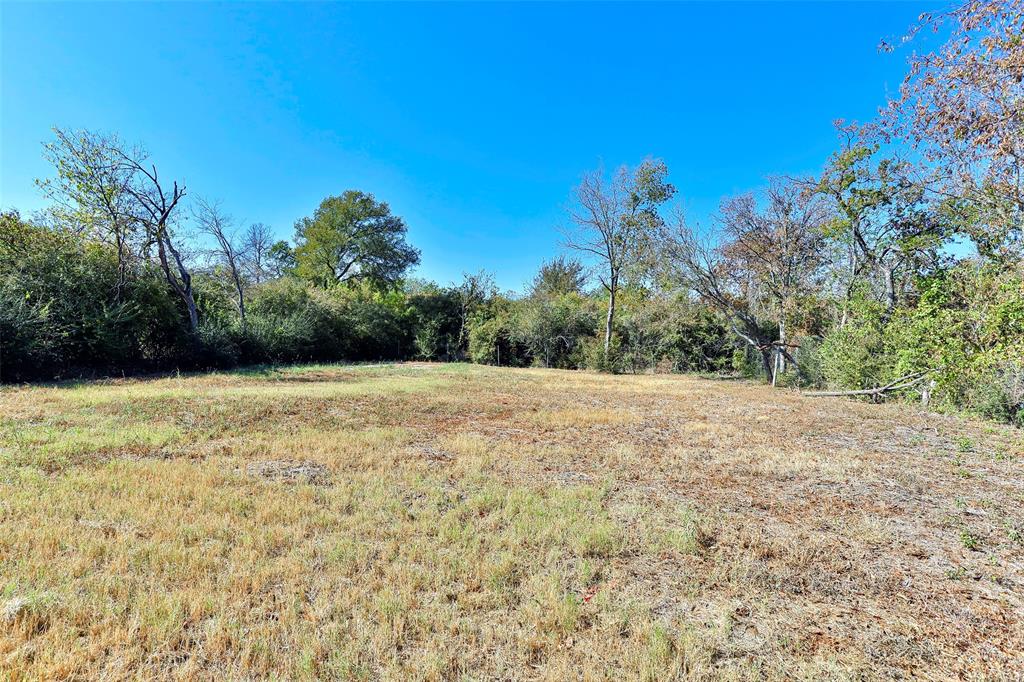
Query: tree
(778,250)
(882,220)
(709,271)
(90,192)
(110,184)
(474,291)
(352,237)
(559,276)
(255,249)
(962,106)
(614,221)
(214,222)
(281,258)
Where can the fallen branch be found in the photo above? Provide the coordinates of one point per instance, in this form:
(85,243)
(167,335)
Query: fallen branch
(896,385)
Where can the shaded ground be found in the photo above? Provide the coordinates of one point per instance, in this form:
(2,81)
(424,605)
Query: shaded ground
(450,521)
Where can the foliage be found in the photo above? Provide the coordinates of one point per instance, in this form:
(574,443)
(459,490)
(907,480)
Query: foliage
(492,335)
(437,318)
(66,310)
(552,330)
(559,276)
(969,326)
(853,355)
(352,237)
(962,106)
(966,329)
(616,223)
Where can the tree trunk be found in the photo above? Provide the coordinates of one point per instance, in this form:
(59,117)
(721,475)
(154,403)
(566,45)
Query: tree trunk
(609,320)
(780,359)
(122,264)
(183,287)
(890,288)
(766,360)
(850,285)
(193,313)
(241,295)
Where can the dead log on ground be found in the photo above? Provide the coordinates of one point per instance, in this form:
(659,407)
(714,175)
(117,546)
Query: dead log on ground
(896,385)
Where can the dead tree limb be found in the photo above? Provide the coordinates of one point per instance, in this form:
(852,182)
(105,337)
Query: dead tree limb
(896,385)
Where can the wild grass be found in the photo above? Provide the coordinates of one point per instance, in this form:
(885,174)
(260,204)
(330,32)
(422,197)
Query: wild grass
(455,522)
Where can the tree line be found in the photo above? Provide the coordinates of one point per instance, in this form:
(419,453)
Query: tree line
(898,269)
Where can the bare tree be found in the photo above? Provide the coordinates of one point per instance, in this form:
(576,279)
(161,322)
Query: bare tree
(154,209)
(256,245)
(614,222)
(214,222)
(696,264)
(755,271)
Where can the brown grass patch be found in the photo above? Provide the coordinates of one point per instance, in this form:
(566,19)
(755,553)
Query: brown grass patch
(445,521)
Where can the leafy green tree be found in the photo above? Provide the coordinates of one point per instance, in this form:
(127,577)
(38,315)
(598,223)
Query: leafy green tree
(884,226)
(352,237)
(281,258)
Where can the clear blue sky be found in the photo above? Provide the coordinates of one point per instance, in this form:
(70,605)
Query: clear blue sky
(474,121)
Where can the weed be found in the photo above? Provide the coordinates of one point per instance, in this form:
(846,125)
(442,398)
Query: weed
(969,540)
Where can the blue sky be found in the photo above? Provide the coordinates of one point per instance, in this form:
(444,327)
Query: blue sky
(474,121)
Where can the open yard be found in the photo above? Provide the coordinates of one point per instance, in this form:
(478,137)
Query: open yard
(459,522)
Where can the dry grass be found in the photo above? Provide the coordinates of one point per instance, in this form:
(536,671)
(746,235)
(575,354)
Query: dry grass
(457,522)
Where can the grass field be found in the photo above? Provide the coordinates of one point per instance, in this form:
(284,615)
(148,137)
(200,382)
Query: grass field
(459,522)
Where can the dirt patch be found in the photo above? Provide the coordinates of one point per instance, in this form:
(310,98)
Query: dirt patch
(290,471)
(431,454)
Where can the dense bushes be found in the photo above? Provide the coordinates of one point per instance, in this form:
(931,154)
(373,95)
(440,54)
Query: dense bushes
(67,311)
(966,329)
(968,325)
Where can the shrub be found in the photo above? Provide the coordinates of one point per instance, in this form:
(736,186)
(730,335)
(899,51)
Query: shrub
(853,355)
(217,346)
(26,340)
(492,339)
(554,329)
(291,321)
